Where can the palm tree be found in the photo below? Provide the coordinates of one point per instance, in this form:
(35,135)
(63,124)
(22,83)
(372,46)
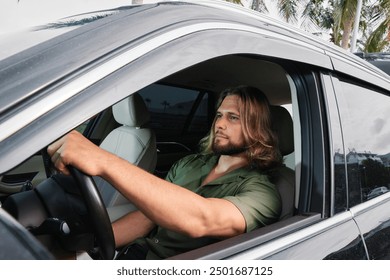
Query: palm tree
(259,5)
(377,39)
(287,9)
(344,12)
(338,16)
(165,104)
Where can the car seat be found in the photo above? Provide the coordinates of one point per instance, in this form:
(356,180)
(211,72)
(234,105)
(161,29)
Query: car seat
(284,177)
(132,141)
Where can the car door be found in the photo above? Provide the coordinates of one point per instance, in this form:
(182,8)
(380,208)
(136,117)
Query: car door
(317,231)
(29,173)
(26,175)
(358,133)
(364,111)
(268,54)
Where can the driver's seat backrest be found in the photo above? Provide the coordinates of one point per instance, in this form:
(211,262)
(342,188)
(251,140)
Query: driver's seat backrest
(132,141)
(284,177)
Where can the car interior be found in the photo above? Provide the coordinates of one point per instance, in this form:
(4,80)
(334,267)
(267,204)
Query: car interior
(153,128)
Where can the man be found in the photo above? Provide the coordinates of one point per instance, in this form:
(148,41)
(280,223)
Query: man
(220,193)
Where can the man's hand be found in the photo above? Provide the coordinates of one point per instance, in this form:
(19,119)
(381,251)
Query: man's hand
(75,150)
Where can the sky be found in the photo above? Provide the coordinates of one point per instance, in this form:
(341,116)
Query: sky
(16,15)
(19,14)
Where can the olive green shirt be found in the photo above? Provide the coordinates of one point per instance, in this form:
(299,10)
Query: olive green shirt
(248,189)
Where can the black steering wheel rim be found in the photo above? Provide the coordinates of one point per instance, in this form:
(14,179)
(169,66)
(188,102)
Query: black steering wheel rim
(49,168)
(100,220)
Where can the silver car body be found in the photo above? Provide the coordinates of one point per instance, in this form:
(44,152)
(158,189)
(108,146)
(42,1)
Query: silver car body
(46,90)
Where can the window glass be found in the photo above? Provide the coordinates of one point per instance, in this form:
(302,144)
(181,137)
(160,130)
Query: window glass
(177,114)
(365,116)
(199,123)
(82,127)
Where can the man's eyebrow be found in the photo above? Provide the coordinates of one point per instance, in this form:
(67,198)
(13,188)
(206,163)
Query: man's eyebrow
(227,111)
(233,113)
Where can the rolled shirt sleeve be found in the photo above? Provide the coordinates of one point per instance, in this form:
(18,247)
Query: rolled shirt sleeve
(258,200)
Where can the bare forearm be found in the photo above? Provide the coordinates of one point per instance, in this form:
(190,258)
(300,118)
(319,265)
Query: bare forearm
(162,202)
(130,227)
(153,196)
(172,206)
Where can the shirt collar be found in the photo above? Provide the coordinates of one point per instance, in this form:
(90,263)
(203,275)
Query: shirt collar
(232,176)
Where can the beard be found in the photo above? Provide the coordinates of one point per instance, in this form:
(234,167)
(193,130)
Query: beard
(228,150)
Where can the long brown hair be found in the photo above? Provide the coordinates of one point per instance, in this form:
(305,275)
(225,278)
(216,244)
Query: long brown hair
(263,151)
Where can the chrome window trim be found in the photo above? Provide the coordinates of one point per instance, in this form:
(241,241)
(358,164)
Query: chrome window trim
(358,70)
(370,204)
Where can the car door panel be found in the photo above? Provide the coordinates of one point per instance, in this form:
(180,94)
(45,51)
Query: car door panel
(229,248)
(32,170)
(373,219)
(333,238)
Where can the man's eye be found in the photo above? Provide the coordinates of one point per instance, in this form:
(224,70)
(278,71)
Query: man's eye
(234,118)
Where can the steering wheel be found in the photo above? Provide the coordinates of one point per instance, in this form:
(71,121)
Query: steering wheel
(100,220)
(49,168)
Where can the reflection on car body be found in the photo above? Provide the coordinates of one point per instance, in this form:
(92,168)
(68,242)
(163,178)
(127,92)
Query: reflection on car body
(380,60)
(178,56)
(377,191)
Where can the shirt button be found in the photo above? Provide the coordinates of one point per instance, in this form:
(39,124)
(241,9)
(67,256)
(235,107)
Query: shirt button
(156,240)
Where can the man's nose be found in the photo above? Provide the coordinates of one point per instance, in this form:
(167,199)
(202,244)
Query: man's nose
(221,123)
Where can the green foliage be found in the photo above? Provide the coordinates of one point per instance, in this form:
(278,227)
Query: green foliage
(288,10)
(338,17)
(377,40)
(376,33)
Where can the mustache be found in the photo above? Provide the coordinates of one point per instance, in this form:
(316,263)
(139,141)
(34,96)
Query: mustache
(218,133)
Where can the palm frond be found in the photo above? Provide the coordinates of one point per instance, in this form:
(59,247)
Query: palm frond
(260,6)
(288,10)
(378,39)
